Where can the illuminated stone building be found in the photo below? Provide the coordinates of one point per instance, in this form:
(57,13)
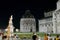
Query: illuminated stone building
(27,22)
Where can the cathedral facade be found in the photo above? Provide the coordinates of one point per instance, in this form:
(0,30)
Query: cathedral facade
(51,25)
(56,19)
(46,25)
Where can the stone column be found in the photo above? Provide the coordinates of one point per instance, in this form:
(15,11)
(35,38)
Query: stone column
(54,23)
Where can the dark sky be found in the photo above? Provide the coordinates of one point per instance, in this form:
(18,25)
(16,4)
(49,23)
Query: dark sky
(17,8)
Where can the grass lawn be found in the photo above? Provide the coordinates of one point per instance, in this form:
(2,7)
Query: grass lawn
(29,34)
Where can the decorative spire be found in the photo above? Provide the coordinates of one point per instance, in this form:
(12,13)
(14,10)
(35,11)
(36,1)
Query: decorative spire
(10,20)
(58,5)
(10,28)
(11,16)
(11,23)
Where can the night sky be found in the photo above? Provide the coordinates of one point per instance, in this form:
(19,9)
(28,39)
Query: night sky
(18,8)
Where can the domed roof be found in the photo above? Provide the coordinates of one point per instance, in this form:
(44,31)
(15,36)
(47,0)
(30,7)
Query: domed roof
(27,14)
